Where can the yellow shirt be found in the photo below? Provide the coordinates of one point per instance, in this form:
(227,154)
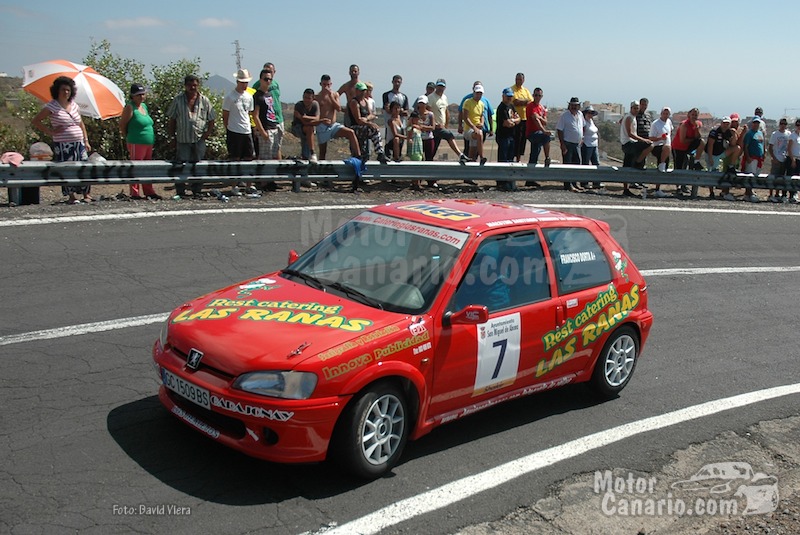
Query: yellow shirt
(521,93)
(474,110)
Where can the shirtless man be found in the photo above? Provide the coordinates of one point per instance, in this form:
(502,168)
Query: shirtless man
(349,89)
(328,128)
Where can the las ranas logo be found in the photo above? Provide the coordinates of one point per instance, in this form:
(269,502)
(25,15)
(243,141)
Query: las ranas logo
(439,212)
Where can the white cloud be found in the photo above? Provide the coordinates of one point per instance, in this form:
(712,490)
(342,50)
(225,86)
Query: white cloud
(139,22)
(215,23)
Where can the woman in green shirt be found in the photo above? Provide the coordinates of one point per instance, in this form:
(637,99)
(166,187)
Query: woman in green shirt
(136,126)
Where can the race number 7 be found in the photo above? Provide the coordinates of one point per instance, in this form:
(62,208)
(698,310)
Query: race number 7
(502,344)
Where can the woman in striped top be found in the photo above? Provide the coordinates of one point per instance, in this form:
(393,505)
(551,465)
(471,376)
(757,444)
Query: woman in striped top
(70,141)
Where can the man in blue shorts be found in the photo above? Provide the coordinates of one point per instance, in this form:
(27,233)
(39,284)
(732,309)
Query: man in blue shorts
(328,128)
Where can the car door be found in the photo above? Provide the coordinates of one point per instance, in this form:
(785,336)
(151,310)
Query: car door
(585,290)
(477,363)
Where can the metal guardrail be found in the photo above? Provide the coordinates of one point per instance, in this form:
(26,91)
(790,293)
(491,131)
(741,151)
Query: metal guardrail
(34,173)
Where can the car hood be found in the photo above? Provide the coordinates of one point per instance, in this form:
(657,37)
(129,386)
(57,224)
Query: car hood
(271,323)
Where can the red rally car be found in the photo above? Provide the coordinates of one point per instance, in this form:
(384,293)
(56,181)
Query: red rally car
(408,316)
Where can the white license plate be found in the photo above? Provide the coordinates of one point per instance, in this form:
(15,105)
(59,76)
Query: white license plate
(193,393)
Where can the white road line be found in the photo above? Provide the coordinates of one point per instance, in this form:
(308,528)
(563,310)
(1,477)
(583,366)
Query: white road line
(174,213)
(717,271)
(207,211)
(469,486)
(83,328)
(138,321)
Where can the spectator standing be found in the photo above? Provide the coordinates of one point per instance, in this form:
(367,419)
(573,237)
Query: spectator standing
(569,130)
(328,128)
(634,148)
(265,117)
(793,155)
(348,89)
(507,122)
(66,128)
(536,128)
(643,123)
(191,121)
(778,143)
(237,109)
(395,95)
(437,101)
(522,97)
(275,91)
(591,141)
(136,127)
(306,118)
(753,154)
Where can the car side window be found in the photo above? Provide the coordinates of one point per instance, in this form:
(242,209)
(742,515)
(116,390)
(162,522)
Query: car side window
(579,260)
(507,271)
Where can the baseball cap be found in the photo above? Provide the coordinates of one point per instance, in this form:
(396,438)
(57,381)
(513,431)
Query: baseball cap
(423,99)
(441,82)
(667,108)
(508,92)
(726,119)
(478,88)
(361,86)
(137,89)
(430,84)
(734,116)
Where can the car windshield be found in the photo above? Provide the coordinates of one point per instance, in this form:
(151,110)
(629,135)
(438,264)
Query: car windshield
(384,262)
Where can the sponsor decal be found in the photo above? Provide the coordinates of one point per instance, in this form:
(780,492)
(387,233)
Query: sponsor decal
(287,312)
(191,420)
(346,367)
(424,347)
(400,345)
(577,258)
(619,264)
(609,308)
(250,410)
(454,238)
(357,342)
(417,328)
(439,212)
(260,284)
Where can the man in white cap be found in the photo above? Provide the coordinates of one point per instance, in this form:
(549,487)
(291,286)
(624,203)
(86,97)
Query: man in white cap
(473,123)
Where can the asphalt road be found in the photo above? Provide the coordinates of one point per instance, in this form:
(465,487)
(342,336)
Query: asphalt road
(87,447)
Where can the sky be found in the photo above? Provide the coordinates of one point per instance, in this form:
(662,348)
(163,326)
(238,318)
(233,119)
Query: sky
(721,57)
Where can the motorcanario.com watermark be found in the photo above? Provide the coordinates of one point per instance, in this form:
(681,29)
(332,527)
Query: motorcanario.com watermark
(717,489)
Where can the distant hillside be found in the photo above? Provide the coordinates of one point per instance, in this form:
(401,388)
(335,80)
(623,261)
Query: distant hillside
(218,84)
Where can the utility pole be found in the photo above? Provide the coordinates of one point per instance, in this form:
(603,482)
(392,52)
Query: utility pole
(238,54)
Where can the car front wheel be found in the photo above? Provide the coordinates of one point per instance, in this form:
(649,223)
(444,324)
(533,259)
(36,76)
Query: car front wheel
(373,431)
(616,363)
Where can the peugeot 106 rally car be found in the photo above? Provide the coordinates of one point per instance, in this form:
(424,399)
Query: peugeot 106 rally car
(408,316)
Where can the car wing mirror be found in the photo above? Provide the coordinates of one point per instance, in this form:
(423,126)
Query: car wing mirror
(293,256)
(469,315)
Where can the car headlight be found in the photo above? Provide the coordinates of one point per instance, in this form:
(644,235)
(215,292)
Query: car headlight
(278,384)
(164,334)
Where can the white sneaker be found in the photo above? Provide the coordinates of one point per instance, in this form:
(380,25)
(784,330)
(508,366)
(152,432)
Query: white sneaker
(729,197)
(313,157)
(752,198)
(251,189)
(662,167)
(235,191)
(658,194)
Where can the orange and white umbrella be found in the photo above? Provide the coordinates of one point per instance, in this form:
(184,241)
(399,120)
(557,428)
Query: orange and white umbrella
(96,95)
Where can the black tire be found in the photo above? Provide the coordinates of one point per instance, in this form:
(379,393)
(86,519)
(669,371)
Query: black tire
(372,431)
(616,363)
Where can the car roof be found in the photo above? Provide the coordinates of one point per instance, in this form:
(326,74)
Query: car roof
(474,216)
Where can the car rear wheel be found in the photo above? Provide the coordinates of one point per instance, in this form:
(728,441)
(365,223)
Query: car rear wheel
(373,431)
(616,363)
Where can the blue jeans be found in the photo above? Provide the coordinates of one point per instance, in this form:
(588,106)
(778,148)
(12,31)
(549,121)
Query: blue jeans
(505,149)
(589,155)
